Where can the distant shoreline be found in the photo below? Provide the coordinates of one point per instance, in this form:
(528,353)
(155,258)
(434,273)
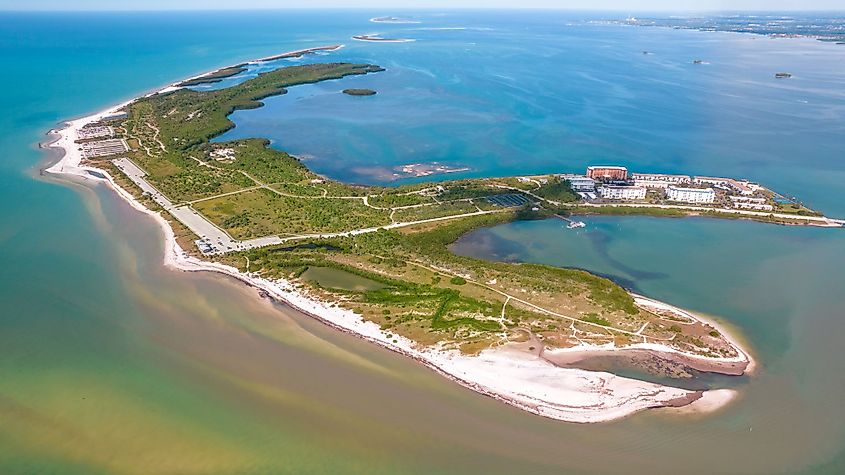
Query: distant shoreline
(833,38)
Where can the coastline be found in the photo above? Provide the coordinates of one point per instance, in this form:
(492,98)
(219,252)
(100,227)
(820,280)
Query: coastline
(525,381)
(296,53)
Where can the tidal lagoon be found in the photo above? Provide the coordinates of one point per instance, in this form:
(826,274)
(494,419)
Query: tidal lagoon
(110,363)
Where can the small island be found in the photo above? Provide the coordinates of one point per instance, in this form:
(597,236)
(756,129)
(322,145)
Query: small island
(393,19)
(377,38)
(359,92)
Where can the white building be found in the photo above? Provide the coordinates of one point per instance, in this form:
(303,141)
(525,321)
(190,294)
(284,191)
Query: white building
(620,192)
(741,187)
(659,180)
(579,182)
(748,199)
(652,183)
(753,206)
(690,195)
(661,177)
(748,202)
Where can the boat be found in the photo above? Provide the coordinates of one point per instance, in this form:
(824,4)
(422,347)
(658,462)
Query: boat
(575,224)
(783,75)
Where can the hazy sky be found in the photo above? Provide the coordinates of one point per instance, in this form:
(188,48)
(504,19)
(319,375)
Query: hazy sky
(390,5)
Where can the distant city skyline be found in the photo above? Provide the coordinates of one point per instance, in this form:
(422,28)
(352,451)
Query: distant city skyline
(390,6)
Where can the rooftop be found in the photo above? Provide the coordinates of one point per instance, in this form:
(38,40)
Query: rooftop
(607,167)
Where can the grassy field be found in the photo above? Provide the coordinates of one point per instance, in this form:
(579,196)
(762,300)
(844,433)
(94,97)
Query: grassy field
(434,211)
(433,296)
(262,212)
(556,190)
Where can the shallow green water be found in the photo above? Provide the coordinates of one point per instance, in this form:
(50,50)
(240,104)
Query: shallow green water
(110,363)
(340,279)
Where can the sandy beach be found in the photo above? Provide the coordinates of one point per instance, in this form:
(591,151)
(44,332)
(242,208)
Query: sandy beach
(529,382)
(297,53)
(376,38)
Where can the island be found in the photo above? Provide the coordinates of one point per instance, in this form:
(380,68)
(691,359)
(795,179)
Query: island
(359,92)
(416,170)
(375,261)
(393,19)
(377,38)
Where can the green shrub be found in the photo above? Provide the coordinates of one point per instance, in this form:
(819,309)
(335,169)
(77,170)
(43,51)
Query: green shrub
(593,318)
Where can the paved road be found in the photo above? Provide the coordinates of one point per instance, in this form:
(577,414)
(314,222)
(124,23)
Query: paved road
(218,239)
(137,176)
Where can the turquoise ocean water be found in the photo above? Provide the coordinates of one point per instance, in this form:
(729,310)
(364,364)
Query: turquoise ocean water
(111,364)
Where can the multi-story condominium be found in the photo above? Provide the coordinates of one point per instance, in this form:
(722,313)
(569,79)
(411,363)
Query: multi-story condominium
(659,180)
(607,173)
(622,192)
(580,182)
(690,195)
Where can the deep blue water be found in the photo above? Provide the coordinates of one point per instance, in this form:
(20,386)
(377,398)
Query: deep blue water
(511,93)
(551,93)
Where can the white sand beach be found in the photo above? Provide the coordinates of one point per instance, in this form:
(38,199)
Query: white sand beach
(377,38)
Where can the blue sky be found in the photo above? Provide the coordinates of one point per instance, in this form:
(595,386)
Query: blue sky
(388,5)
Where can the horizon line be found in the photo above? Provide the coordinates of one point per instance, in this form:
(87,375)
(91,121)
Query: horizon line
(407,9)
